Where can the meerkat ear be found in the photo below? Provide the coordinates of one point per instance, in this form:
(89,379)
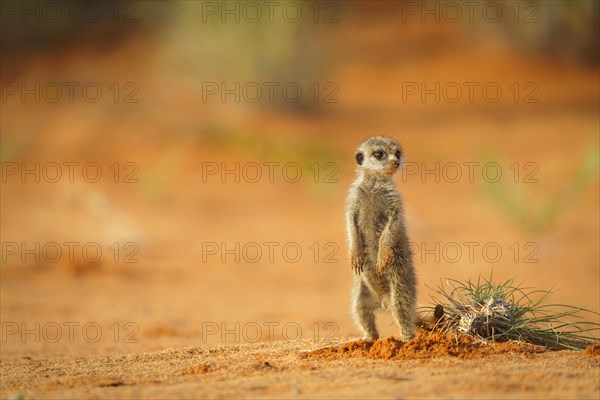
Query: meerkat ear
(360,157)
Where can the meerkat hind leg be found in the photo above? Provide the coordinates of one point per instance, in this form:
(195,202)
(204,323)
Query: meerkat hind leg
(404,313)
(364,306)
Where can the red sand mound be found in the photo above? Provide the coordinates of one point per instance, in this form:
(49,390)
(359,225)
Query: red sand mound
(593,350)
(427,344)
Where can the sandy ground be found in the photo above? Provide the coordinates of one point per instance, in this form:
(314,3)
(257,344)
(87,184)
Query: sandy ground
(289,369)
(178,323)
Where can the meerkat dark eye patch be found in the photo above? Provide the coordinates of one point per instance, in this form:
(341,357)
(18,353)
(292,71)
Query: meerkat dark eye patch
(378,154)
(398,154)
(359,158)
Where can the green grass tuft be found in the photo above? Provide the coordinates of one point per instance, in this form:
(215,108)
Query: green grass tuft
(509,311)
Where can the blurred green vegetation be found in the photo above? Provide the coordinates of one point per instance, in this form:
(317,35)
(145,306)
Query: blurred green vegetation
(565,29)
(158,179)
(216,48)
(31,26)
(284,147)
(316,157)
(516,200)
(13,145)
(273,50)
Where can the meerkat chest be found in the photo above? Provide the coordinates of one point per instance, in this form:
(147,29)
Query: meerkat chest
(379,200)
(376,207)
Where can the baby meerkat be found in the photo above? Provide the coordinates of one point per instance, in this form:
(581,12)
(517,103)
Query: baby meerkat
(379,249)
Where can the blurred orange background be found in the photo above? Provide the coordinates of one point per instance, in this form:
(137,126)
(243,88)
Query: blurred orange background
(172,169)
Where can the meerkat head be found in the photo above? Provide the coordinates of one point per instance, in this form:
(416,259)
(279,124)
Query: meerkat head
(379,155)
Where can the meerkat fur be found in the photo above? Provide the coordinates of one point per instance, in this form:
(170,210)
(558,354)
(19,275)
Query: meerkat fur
(380,255)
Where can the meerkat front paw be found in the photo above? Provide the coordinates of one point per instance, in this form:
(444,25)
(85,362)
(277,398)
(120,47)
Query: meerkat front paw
(356,261)
(383,259)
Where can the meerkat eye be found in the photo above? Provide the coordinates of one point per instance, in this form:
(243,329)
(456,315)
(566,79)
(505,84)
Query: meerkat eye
(398,154)
(378,154)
